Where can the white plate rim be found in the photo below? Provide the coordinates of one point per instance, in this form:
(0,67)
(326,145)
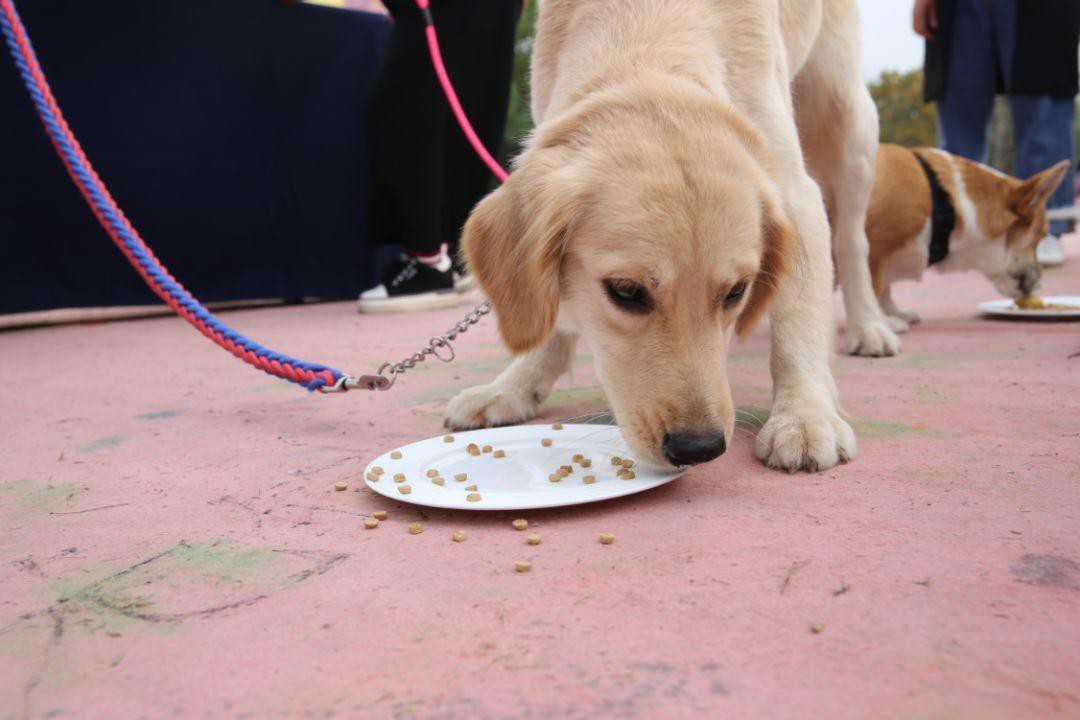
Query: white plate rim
(1006,307)
(387,488)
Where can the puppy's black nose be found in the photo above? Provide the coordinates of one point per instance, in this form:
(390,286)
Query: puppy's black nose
(693,448)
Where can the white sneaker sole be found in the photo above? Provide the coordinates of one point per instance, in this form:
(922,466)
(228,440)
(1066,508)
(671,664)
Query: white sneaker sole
(464,283)
(407,303)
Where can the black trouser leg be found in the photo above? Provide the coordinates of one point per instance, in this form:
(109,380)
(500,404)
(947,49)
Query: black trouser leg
(425,177)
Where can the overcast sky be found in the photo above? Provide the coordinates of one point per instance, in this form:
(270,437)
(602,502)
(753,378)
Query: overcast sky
(888,41)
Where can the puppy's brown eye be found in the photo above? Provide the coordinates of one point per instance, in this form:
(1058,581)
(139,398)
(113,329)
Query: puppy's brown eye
(735,294)
(628,295)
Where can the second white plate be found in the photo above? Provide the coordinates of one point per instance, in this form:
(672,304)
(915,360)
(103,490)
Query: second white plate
(1007,308)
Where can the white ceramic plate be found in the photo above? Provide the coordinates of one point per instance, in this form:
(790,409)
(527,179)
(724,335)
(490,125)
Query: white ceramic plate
(518,481)
(1007,308)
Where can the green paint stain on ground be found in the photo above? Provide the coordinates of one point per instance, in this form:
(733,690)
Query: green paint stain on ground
(103,443)
(29,494)
(748,356)
(158,415)
(591,396)
(882,429)
(751,416)
(930,394)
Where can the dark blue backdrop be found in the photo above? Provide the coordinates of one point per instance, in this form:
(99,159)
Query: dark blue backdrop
(231,133)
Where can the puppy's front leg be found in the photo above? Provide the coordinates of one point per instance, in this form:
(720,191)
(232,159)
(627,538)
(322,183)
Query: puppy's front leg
(804,430)
(516,394)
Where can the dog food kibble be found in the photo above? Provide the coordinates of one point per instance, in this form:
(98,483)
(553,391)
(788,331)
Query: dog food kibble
(556,426)
(627,474)
(371,523)
(628,463)
(586,462)
(523,566)
(498,454)
(396,455)
(459,536)
(372,477)
(589,479)
(816,627)
(379,514)
(432,472)
(577,458)
(472,449)
(606,538)
(566,469)
(415,528)
(533,539)
(486,448)
(399,477)
(404,489)
(546,442)
(520,524)
(616,460)
(473,497)
(377,470)
(438,481)
(461,477)
(448,438)
(339,486)
(471,487)
(555,477)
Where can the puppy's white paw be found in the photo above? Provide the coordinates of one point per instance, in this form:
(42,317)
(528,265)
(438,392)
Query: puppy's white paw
(490,406)
(898,324)
(871,339)
(810,438)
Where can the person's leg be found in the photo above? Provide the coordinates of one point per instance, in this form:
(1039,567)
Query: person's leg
(969,93)
(479,50)
(1043,127)
(406,157)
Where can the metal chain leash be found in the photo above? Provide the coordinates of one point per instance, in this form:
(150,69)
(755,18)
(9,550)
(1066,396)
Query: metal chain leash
(440,347)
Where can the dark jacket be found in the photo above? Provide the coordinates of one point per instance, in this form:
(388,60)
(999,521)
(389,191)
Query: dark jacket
(1045,59)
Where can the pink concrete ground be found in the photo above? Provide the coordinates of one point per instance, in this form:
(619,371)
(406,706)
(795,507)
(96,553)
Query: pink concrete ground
(172,545)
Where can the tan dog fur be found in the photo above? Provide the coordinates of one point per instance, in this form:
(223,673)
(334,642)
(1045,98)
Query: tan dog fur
(999,221)
(667,159)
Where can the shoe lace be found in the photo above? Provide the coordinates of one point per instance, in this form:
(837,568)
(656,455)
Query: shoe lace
(407,272)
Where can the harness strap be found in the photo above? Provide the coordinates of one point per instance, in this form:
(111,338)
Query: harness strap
(942,214)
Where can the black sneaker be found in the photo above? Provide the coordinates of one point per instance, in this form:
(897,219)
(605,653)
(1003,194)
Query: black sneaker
(409,284)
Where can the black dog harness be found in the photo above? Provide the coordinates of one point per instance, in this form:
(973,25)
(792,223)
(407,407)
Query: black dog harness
(942,214)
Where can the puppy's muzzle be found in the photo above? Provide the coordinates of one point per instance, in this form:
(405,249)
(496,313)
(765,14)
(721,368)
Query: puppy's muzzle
(693,448)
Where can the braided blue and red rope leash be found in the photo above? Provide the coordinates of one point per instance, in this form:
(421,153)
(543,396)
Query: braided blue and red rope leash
(101,202)
(164,285)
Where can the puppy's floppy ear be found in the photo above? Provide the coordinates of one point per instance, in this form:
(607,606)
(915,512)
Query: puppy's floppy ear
(1032,193)
(513,243)
(778,243)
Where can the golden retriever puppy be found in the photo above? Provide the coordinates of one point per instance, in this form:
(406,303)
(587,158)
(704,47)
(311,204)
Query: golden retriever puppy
(664,202)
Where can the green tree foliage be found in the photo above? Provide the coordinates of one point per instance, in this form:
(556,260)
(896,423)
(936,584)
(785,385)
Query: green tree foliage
(519,119)
(905,118)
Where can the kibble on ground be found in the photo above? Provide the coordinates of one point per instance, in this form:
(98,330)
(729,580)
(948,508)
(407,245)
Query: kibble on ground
(415,528)
(339,486)
(523,566)
(606,538)
(520,524)
(459,536)
(533,539)
(379,514)
(371,523)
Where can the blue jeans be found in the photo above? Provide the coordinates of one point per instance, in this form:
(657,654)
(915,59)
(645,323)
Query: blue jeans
(982,47)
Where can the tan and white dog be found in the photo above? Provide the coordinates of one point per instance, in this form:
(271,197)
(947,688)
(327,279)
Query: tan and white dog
(997,221)
(665,200)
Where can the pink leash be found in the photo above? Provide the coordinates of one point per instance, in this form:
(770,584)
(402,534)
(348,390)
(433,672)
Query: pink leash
(451,94)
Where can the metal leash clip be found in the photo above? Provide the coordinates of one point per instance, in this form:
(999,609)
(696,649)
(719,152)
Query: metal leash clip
(438,347)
